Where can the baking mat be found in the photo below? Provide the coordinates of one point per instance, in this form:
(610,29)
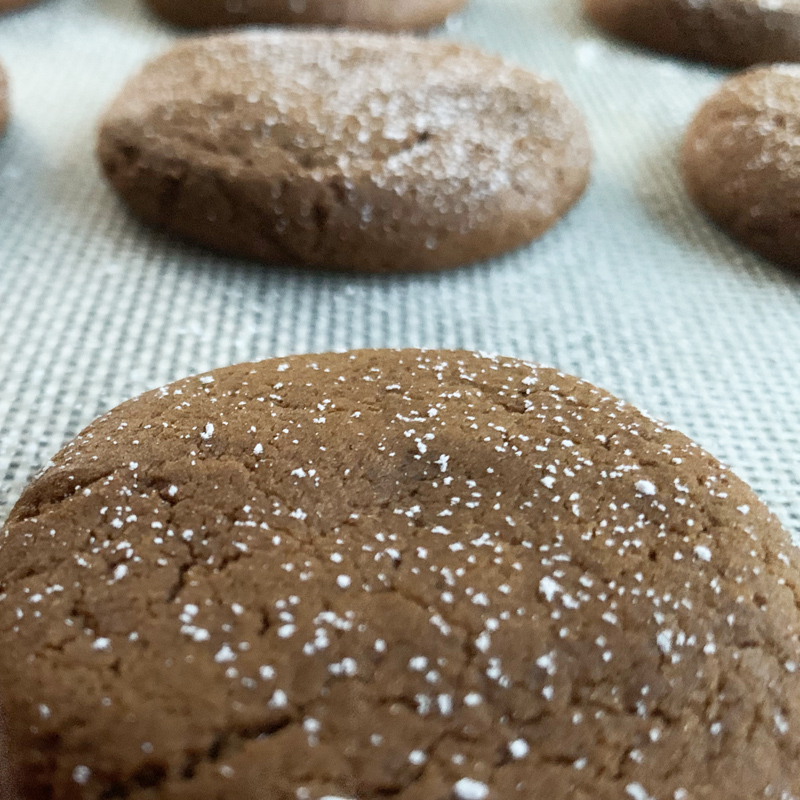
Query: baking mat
(633,290)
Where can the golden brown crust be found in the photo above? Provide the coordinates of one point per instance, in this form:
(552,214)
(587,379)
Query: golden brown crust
(347,151)
(741,160)
(386,15)
(726,32)
(435,576)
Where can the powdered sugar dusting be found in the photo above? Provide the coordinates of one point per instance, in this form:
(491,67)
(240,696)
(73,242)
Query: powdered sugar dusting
(520,631)
(372,127)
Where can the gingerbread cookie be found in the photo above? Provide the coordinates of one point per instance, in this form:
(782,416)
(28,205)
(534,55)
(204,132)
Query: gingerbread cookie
(3,100)
(350,151)
(387,15)
(425,575)
(741,160)
(727,32)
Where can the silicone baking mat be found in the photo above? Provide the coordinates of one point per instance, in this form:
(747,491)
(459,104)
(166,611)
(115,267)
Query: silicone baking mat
(633,290)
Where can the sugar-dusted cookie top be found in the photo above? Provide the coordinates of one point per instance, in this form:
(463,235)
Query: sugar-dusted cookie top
(429,575)
(350,151)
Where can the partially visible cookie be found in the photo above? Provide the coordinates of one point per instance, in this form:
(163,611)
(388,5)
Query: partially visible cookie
(342,150)
(12,5)
(387,15)
(741,160)
(419,575)
(3,100)
(727,32)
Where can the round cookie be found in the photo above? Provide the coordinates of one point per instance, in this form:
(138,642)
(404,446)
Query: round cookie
(741,160)
(3,100)
(348,151)
(387,15)
(425,575)
(736,33)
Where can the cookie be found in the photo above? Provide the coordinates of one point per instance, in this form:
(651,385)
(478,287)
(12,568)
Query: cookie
(387,15)
(3,100)
(425,575)
(349,151)
(736,33)
(741,160)
(13,5)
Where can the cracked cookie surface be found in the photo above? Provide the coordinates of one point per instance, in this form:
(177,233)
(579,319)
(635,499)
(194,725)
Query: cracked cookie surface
(741,160)
(427,575)
(388,15)
(347,151)
(735,33)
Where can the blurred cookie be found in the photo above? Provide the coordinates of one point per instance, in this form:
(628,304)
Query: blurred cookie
(727,32)
(424,575)
(741,160)
(388,15)
(12,5)
(350,151)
